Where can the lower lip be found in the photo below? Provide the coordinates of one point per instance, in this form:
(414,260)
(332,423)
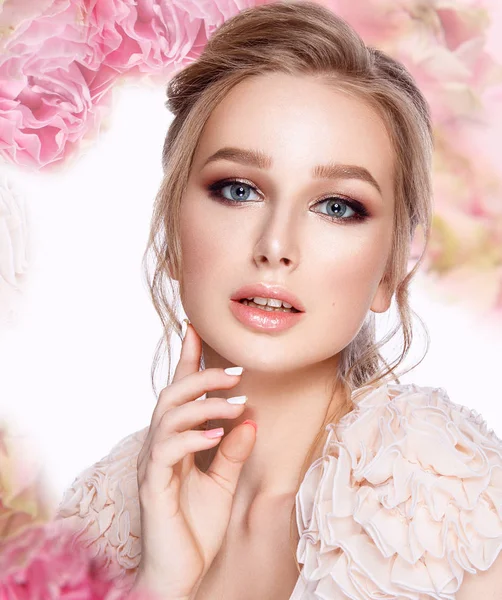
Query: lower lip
(264,320)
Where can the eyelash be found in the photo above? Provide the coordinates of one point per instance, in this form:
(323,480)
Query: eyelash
(361,213)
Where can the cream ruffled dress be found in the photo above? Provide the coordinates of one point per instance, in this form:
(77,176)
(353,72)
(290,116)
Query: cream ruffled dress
(405,498)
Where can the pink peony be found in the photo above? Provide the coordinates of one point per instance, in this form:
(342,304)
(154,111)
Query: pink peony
(48,102)
(380,22)
(43,559)
(13,14)
(459,23)
(154,37)
(44,562)
(60,60)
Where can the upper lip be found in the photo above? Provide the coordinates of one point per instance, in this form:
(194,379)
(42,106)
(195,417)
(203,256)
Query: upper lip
(267,290)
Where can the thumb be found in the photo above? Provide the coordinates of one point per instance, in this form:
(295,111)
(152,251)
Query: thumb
(232,453)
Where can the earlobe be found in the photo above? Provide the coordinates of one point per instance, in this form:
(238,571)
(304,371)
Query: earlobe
(382,300)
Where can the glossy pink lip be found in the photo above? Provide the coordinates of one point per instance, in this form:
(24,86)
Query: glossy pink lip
(263,290)
(263,320)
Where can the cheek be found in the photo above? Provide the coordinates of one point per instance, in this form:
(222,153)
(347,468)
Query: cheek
(351,274)
(347,278)
(206,247)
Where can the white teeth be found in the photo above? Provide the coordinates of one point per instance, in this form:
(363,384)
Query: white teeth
(270,302)
(275,303)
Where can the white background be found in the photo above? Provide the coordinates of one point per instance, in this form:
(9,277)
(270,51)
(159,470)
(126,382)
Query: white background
(75,364)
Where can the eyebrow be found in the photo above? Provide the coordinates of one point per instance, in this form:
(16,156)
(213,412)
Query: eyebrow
(332,170)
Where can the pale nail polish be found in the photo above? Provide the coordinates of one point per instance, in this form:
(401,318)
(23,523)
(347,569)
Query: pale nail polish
(237,400)
(214,433)
(234,370)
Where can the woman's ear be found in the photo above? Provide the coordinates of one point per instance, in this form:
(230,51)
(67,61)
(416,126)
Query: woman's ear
(382,299)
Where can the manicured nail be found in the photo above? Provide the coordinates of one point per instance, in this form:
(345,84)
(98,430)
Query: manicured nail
(249,422)
(237,400)
(184,327)
(214,433)
(234,370)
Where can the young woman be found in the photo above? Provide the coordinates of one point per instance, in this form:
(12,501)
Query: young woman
(297,169)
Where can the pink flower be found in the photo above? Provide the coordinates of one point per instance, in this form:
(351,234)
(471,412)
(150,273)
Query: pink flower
(382,21)
(452,81)
(154,37)
(48,102)
(458,23)
(13,14)
(44,562)
(60,60)
(42,559)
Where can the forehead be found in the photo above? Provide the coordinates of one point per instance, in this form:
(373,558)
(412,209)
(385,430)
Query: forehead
(300,122)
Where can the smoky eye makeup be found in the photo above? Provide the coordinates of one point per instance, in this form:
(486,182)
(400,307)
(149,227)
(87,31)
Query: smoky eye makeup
(238,191)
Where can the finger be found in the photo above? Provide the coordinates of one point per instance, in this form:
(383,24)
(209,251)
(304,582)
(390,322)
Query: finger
(191,387)
(191,350)
(231,455)
(190,355)
(191,414)
(157,468)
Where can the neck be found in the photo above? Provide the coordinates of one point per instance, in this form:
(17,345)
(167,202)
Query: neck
(290,408)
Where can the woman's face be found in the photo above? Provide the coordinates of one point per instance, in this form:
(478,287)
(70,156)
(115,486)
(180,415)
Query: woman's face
(282,225)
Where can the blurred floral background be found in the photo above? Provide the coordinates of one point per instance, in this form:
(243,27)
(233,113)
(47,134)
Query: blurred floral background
(39,557)
(62,63)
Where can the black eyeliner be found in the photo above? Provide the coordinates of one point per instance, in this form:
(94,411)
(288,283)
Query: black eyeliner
(361,212)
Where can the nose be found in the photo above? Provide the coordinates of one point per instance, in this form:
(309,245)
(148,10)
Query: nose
(278,243)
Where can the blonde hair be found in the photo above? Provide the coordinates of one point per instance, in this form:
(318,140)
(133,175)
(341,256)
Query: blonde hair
(306,39)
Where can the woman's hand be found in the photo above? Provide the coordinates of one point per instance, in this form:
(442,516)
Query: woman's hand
(185,512)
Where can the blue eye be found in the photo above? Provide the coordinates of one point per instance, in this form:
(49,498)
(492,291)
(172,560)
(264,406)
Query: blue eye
(240,195)
(339,205)
(239,190)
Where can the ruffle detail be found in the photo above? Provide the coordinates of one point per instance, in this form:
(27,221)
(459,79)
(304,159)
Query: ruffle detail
(102,509)
(406,497)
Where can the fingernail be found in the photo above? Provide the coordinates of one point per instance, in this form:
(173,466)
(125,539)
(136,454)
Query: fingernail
(237,400)
(184,326)
(251,423)
(214,433)
(234,370)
